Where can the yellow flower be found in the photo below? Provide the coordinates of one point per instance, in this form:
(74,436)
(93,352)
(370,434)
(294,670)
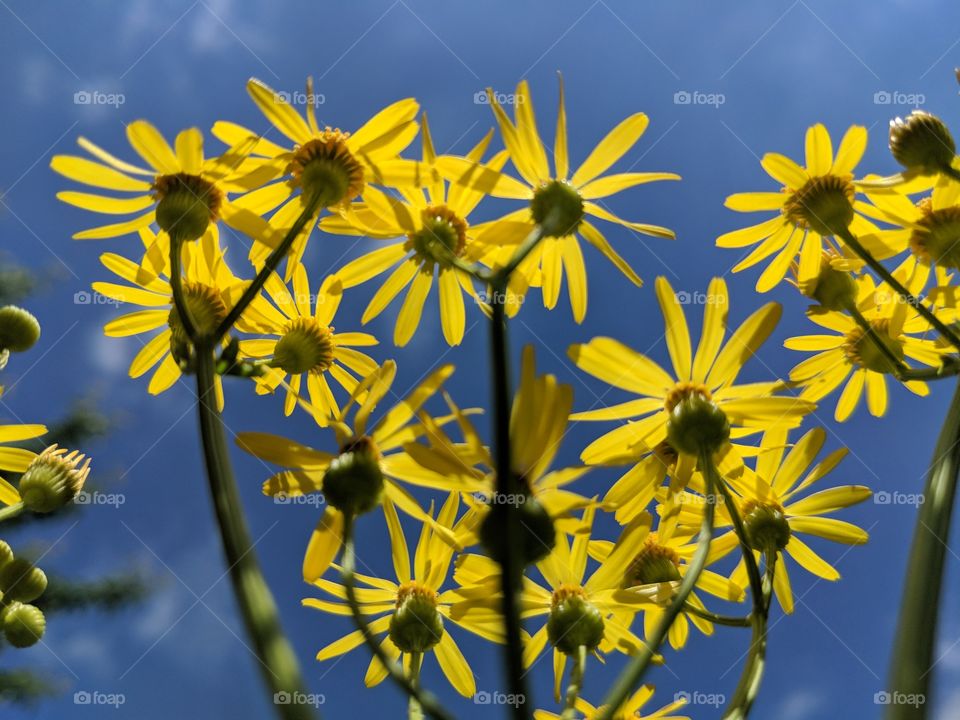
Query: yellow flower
(850,355)
(304,346)
(774,515)
(631,708)
(329,161)
(414,610)
(434,227)
(709,377)
(391,444)
(210,290)
(557,200)
(181,189)
(662,557)
(15,459)
(823,190)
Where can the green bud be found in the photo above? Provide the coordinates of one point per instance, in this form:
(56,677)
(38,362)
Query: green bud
(353,483)
(574,621)
(23,625)
(697,425)
(186,205)
(557,208)
(53,479)
(6,553)
(19,330)
(766,526)
(416,625)
(537,533)
(921,142)
(22,580)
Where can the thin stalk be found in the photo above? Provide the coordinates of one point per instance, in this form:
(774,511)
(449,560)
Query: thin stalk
(506,486)
(525,248)
(576,683)
(717,619)
(633,674)
(916,635)
(176,285)
(945,331)
(896,363)
(11,511)
(415,712)
(278,662)
(428,703)
(269,267)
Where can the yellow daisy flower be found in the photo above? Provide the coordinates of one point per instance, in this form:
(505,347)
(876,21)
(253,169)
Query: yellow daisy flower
(824,189)
(210,290)
(850,357)
(558,200)
(335,163)
(413,611)
(774,515)
(386,455)
(15,459)
(434,228)
(708,378)
(631,708)
(181,189)
(303,346)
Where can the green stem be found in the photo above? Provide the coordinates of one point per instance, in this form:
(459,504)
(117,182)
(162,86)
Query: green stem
(415,712)
(917,627)
(507,485)
(278,662)
(576,683)
(427,701)
(525,248)
(176,285)
(716,619)
(898,287)
(633,674)
(897,365)
(11,511)
(269,267)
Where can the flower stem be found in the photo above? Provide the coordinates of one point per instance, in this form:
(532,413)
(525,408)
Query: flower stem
(506,486)
(278,662)
(415,712)
(716,619)
(269,267)
(576,683)
(917,627)
(11,511)
(633,674)
(176,286)
(898,287)
(428,703)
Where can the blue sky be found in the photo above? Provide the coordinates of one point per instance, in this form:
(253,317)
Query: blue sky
(779,67)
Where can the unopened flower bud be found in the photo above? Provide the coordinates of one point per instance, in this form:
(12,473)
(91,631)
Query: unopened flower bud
(19,330)
(53,479)
(6,553)
(22,580)
(23,625)
(353,483)
(921,142)
(574,621)
(766,526)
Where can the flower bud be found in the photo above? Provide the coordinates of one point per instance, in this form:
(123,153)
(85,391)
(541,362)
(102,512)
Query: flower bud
(19,330)
(834,289)
(696,424)
(766,525)
(6,553)
(53,479)
(416,624)
(22,580)
(537,533)
(574,621)
(353,483)
(557,208)
(186,205)
(23,625)
(921,142)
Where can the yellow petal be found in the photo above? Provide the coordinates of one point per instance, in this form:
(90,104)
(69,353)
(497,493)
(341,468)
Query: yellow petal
(278,111)
(412,309)
(151,146)
(325,543)
(677,334)
(617,142)
(819,150)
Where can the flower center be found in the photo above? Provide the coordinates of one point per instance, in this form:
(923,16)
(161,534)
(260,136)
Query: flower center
(557,208)
(419,591)
(416,625)
(921,142)
(824,204)
(860,349)
(186,204)
(443,235)
(306,346)
(695,424)
(326,169)
(765,524)
(655,563)
(353,482)
(936,236)
(574,621)
(207,310)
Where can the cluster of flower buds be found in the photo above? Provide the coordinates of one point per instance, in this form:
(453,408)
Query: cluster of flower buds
(21,582)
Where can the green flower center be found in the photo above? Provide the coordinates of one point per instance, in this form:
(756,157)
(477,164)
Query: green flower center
(936,236)
(326,170)
(574,621)
(206,309)
(824,204)
(416,624)
(306,346)
(860,349)
(353,482)
(696,424)
(921,142)
(655,563)
(557,208)
(442,236)
(186,204)
(766,525)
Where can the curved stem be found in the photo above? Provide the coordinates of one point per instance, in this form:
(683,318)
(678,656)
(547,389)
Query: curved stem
(427,701)
(11,511)
(916,636)
(632,675)
(269,267)
(717,619)
(278,663)
(945,331)
(576,683)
